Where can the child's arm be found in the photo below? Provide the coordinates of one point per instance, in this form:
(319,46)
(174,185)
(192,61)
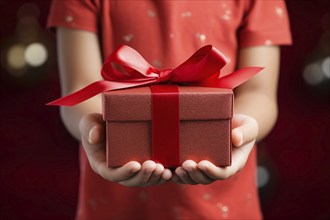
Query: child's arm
(80,64)
(255,113)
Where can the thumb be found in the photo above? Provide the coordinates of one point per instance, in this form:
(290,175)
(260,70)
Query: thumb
(245,130)
(92,129)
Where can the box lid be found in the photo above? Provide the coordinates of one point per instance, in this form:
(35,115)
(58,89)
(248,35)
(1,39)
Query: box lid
(196,103)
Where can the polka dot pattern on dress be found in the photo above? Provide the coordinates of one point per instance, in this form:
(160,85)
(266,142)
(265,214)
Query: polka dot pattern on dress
(151,13)
(227,15)
(279,11)
(186,14)
(201,37)
(128,37)
(206,196)
(69,18)
(248,198)
(224,210)
(268,43)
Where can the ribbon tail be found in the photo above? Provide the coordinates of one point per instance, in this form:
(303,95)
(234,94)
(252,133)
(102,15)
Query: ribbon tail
(233,79)
(94,89)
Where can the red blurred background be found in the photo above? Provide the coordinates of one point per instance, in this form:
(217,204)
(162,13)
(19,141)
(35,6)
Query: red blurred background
(39,159)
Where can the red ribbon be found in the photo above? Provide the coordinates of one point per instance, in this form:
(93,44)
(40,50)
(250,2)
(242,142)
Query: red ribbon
(165,125)
(201,69)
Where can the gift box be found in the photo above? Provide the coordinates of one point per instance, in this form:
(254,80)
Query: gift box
(148,116)
(204,126)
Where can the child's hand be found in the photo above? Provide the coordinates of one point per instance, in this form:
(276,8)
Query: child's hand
(92,131)
(244,135)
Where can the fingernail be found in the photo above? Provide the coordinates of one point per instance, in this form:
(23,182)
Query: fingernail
(148,171)
(240,137)
(202,167)
(134,169)
(189,169)
(90,135)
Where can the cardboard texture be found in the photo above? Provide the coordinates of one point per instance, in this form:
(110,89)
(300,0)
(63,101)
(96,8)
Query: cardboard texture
(205,125)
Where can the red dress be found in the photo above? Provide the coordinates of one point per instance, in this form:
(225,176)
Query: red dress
(166,33)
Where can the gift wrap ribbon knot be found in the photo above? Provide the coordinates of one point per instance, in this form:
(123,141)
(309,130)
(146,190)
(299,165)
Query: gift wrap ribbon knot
(126,68)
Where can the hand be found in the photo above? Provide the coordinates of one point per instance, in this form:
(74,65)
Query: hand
(244,135)
(92,131)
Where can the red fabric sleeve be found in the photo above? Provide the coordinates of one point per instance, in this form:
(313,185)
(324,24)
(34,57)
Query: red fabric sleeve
(265,23)
(78,14)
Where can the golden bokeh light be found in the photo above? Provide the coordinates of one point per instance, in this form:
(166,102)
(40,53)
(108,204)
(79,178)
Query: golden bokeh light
(35,54)
(15,57)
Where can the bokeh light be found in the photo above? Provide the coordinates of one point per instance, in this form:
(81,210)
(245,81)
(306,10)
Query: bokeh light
(15,57)
(326,66)
(35,54)
(26,53)
(263,176)
(313,73)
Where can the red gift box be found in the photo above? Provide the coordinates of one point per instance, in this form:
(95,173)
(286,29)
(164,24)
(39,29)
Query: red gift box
(197,127)
(205,125)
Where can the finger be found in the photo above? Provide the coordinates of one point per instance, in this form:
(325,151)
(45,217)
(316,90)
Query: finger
(92,128)
(119,174)
(184,177)
(239,158)
(196,174)
(245,130)
(217,173)
(142,176)
(167,174)
(156,175)
(94,147)
(92,132)
(96,134)
(237,120)
(241,154)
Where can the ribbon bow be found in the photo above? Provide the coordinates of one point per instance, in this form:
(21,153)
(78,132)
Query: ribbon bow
(201,69)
